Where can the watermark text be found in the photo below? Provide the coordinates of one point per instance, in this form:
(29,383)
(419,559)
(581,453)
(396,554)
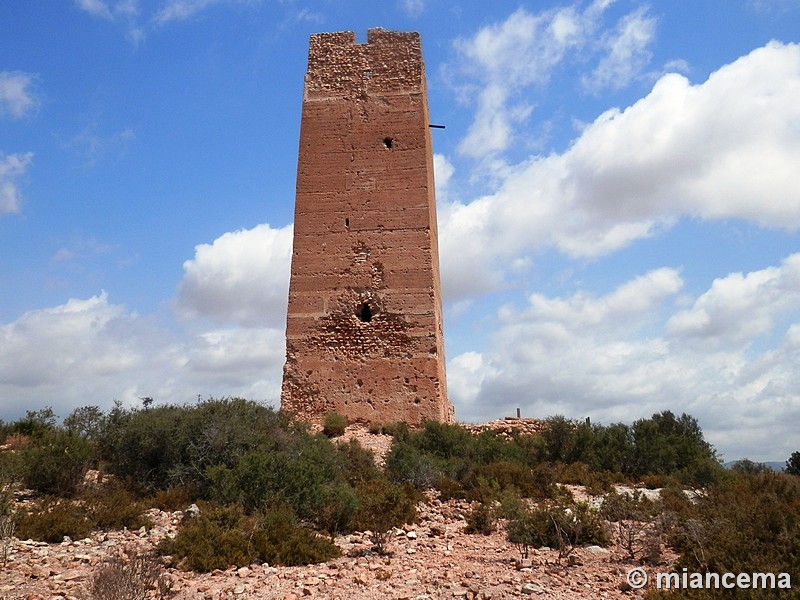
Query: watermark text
(685,580)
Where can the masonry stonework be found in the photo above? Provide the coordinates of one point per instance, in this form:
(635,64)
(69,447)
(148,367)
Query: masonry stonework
(364,327)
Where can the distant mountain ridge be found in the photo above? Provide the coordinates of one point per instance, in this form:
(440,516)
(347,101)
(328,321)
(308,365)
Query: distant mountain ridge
(773,464)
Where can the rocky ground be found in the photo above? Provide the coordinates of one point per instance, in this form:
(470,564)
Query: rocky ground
(433,558)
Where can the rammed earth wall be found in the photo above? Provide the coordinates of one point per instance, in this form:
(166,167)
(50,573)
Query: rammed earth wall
(364,327)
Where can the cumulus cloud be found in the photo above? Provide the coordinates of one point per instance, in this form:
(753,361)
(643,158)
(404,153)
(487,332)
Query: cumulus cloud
(43,347)
(724,148)
(94,352)
(17,99)
(504,59)
(242,277)
(12,166)
(739,307)
(616,357)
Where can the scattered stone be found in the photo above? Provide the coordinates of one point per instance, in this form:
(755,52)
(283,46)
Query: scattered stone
(193,511)
(524,563)
(532,588)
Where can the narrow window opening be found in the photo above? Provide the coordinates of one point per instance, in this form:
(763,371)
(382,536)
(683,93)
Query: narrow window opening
(347,222)
(388,143)
(364,313)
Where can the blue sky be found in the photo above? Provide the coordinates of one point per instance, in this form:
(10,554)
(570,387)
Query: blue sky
(618,191)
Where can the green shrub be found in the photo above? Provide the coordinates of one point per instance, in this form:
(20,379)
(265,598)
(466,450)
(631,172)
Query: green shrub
(165,446)
(356,462)
(88,422)
(55,462)
(292,545)
(297,475)
(749,524)
(221,537)
(489,447)
(561,527)
(442,440)
(398,431)
(638,530)
(111,506)
(383,505)
(661,445)
(174,498)
(450,489)
(623,506)
(560,439)
(481,519)
(338,510)
(665,445)
(485,481)
(107,506)
(406,463)
(50,519)
(579,473)
(35,423)
(334,425)
(529,529)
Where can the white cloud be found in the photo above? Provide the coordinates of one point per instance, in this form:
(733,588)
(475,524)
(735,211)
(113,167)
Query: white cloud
(627,54)
(443,171)
(178,10)
(129,12)
(739,307)
(726,148)
(242,277)
(17,99)
(93,352)
(508,58)
(96,8)
(12,166)
(413,8)
(46,347)
(94,147)
(617,358)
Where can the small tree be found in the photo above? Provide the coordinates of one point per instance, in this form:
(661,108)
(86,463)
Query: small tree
(87,422)
(793,464)
(334,425)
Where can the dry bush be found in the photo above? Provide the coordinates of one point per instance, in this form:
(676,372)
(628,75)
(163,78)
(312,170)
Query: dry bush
(639,524)
(7,529)
(128,578)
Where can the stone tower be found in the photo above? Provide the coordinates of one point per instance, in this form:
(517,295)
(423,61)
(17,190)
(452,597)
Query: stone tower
(364,327)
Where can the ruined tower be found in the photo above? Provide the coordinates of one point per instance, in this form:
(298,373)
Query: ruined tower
(364,327)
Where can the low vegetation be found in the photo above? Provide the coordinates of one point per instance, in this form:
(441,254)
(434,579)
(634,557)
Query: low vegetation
(273,491)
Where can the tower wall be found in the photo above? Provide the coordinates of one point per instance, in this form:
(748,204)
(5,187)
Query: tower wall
(364,327)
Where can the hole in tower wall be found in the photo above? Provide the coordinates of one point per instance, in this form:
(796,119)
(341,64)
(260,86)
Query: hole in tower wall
(388,143)
(364,313)
(347,222)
